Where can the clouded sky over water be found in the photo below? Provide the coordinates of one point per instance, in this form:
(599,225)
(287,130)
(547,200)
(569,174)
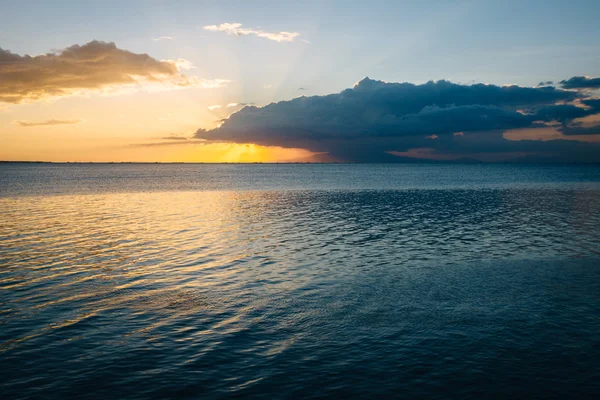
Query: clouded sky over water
(271,81)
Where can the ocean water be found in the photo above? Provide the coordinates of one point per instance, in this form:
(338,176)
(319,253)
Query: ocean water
(299,281)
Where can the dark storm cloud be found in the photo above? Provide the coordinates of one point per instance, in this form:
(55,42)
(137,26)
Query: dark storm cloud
(581,82)
(580,130)
(373,117)
(593,103)
(562,113)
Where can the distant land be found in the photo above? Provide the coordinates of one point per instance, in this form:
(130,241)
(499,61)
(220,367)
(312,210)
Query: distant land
(401,160)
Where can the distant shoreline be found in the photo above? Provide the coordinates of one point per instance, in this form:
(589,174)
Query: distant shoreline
(428,162)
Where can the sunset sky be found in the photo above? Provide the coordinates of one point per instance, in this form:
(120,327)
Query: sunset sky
(240,81)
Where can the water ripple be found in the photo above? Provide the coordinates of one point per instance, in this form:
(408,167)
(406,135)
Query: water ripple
(301,293)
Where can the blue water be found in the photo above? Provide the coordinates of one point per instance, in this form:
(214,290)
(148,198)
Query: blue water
(299,281)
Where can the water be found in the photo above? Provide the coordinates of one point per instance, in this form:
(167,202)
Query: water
(285,281)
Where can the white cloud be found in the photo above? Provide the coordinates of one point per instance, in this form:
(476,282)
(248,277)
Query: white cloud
(163,38)
(232,105)
(236,29)
(215,107)
(183,64)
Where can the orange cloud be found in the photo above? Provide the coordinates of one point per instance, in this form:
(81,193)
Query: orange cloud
(92,67)
(49,122)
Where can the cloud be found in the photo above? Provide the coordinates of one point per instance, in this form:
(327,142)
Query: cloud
(593,103)
(170,141)
(581,82)
(183,64)
(174,137)
(230,105)
(236,29)
(372,118)
(562,112)
(163,38)
(93,67)
(49,122)
(580,130)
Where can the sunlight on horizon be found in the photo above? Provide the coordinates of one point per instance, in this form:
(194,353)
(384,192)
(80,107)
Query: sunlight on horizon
(185,152)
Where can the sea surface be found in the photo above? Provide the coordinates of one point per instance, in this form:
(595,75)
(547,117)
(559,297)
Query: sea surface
(299,281)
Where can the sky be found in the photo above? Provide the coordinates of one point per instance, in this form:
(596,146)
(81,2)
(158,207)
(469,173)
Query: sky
(266,81)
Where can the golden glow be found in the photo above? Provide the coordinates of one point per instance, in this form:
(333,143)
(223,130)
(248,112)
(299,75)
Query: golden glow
(127,128)
(113,150)
(223,152)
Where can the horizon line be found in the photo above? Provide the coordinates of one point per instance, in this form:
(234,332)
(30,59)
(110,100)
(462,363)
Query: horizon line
(416,161)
